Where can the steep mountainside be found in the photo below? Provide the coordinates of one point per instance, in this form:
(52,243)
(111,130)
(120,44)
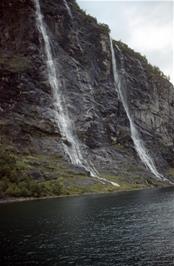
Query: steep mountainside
(30,138)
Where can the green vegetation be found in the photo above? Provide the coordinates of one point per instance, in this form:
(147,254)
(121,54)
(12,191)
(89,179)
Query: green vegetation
(30,188)
(154,70)
(15,63)
(126,49)
(34,175)
(171,172)
(104,28)
(98,187)
(88,18)
(15,179)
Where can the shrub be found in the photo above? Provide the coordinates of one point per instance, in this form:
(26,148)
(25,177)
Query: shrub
(125,48)
(13,190)
(16,63)
(154,70)
(104,28)
(15,180)
(58,186)
(10,165)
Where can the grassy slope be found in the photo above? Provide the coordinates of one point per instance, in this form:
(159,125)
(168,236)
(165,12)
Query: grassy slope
(34,175)
(26,175)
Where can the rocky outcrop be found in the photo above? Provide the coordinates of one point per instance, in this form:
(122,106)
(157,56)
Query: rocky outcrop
(81,49)
(150,97)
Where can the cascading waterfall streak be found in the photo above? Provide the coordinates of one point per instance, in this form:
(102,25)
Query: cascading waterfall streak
(72,19)
(73,150)
(68,9)
(62,118)
(138,142)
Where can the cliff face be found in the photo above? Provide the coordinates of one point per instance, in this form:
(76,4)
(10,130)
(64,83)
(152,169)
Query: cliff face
(82,54)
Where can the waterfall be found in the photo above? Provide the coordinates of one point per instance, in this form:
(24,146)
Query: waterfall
(72,19)
(71,144)
(62,119)
(138,142)
(68,9)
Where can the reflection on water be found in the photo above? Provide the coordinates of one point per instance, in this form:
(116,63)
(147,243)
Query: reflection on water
(130,228)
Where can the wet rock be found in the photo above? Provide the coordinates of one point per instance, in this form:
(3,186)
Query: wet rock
(66,142)
(82,55)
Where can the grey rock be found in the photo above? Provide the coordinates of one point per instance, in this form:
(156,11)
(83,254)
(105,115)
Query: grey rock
(83,58)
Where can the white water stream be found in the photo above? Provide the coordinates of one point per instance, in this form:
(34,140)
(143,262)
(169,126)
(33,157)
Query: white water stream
(68,9)
(138,142)
(71,144)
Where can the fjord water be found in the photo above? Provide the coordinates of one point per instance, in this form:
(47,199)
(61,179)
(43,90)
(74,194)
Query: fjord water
(138,142)
(128,228)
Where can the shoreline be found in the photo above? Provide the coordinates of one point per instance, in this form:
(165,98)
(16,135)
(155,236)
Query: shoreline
(27,199)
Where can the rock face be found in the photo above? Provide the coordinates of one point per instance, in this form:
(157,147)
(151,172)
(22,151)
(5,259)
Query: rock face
(81,49)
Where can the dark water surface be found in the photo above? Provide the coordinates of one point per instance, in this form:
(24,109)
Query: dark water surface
(130,228)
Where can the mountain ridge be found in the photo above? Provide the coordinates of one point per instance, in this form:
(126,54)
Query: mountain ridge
(82,56)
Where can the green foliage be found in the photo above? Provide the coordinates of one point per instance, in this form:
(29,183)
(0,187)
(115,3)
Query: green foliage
(76,7)
(171,172)
(104,28)
(15,63)
(10,166)
(88,18)
(30,188)
(56,178)
(154,70)
(126,49)
(15,180)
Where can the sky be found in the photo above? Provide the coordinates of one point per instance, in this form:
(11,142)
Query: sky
(146,26)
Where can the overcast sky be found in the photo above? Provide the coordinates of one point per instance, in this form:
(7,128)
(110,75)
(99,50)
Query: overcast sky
(146,26)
